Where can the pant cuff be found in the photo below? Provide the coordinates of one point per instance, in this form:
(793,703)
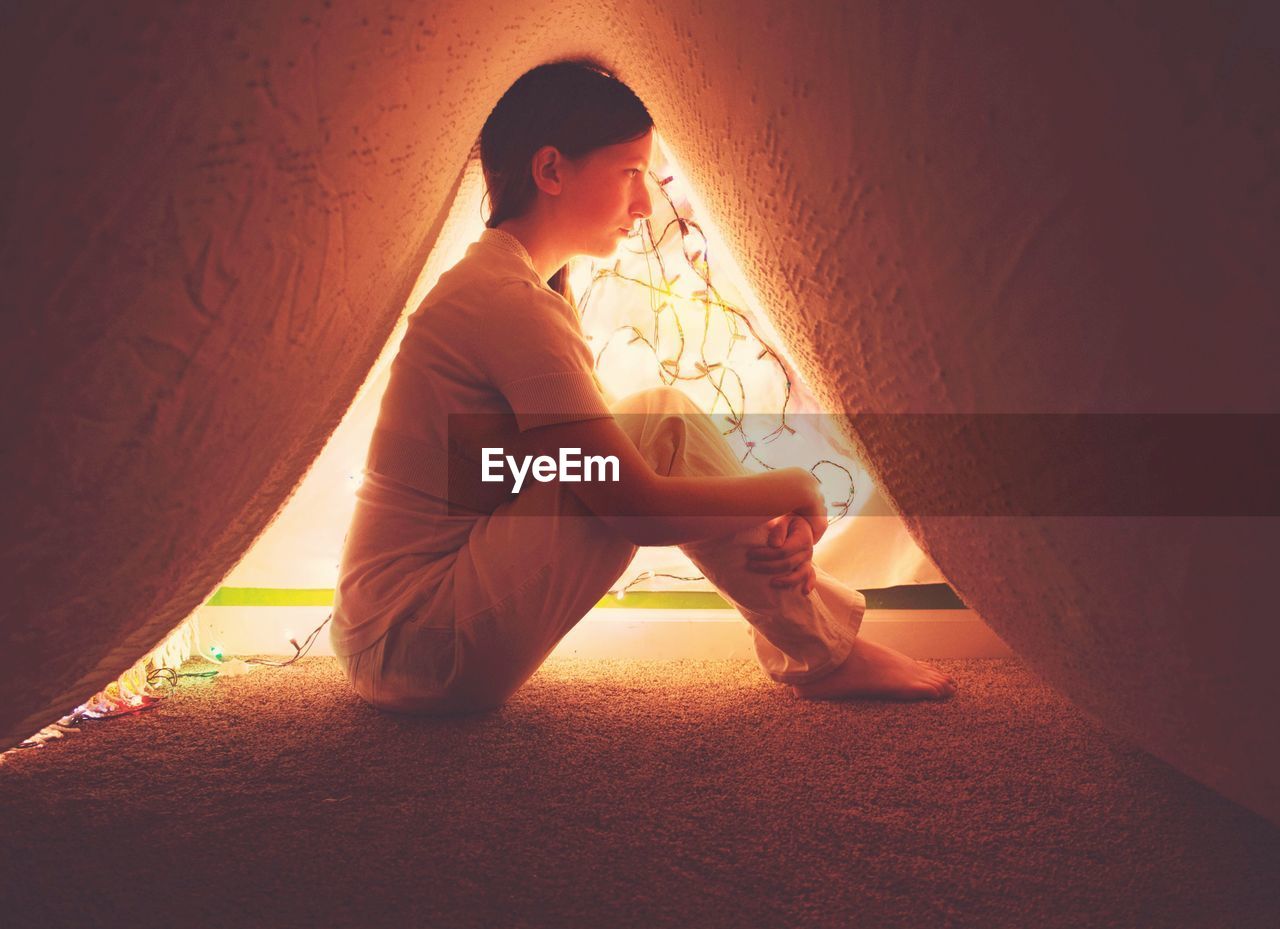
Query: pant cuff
(839,653)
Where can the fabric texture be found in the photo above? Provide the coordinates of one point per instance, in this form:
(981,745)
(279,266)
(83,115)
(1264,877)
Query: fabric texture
(532,569)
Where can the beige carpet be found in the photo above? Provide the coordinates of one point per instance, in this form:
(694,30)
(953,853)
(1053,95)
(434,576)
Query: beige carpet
(619,794)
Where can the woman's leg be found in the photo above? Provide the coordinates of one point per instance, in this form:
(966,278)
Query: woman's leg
(811,641)
(527,574)
(531,570)
(797,638)
(538,575)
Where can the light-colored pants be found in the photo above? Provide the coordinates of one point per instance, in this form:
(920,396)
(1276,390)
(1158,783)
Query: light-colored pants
(534,567)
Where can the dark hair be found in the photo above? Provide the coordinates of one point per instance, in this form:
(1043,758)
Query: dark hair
(576,105)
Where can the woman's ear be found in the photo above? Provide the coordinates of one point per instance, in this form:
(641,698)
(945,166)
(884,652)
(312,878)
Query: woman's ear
(548,167)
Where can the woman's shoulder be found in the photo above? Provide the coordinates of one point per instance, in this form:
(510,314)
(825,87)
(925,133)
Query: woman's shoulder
(465,291)
(477,276)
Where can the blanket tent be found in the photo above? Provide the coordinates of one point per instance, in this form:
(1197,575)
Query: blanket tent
(215,214)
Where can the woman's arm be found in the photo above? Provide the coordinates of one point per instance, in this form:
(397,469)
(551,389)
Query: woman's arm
(690,509)
(654,509)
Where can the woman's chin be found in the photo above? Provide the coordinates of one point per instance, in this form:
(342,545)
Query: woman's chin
(605,250)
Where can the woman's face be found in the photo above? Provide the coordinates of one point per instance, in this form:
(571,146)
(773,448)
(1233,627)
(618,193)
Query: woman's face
(604,193)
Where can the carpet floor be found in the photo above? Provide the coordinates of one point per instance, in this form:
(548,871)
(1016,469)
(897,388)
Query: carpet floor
(621,794)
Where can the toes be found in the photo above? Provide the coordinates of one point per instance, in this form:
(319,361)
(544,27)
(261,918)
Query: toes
(943,676)
(942,689)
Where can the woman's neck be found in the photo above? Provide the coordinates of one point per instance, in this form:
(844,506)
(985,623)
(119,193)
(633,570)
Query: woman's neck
(538,238)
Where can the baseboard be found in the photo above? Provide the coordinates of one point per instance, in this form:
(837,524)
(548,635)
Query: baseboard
(710,634)
(631,633)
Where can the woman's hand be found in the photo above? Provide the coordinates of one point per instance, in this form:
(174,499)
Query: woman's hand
(813,506)
(788,554)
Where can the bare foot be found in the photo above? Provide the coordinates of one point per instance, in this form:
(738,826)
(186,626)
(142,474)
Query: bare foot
(876,671)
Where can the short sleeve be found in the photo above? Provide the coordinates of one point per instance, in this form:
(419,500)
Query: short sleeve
(538,360)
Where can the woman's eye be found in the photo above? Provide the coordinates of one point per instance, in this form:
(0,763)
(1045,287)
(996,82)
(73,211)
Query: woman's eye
(633,171)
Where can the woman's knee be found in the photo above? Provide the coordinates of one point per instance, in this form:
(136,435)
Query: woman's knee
(664,398)
(675,436)
(665,393)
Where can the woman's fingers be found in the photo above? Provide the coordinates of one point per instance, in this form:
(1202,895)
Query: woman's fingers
(779,529)
(791,560)
(774,555)
(791,578)
(818,523)
(792,535)
(805,578)
(780,565)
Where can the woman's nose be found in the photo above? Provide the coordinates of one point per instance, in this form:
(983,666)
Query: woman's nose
(643,207)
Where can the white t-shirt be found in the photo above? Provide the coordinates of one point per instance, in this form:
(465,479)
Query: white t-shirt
(490,338)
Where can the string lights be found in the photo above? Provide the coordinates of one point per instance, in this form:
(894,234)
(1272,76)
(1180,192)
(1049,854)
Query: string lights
(663,301)
(666,339)
(150,680)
